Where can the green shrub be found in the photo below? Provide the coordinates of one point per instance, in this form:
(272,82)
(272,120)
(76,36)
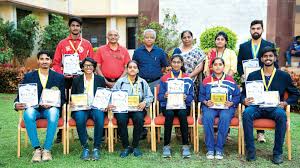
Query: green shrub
(207,38)
(53,33)
(10,78)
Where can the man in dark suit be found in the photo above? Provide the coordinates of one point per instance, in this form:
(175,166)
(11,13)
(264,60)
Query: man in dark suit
(253,49)
(44,77)
(88,84)
(273,81)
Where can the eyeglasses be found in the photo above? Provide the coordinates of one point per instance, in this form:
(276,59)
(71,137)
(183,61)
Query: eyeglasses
(176,62)
(88,66)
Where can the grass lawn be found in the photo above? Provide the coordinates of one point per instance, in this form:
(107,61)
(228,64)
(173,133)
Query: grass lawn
(8,150)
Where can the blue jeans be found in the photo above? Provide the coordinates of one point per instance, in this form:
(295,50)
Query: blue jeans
(208,118)
(254,112)
(31,115)
(138,123)
(81,118)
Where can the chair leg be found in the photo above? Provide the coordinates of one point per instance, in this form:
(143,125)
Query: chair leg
(68,139)
(116,135)
(289,144)
(239,141)
(153,138)
(194,139)
(243,141)
(112,140)
(64,140)
(148,135)
(105,135)
(73,138)
(158,134)
(19,143)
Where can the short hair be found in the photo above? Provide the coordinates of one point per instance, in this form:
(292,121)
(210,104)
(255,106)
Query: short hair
(269,49)
(151,31)
(218,58)
(221,33)
(133,61)
(76,19)
(89,59)
(44,52)
(254,22)
(186,31)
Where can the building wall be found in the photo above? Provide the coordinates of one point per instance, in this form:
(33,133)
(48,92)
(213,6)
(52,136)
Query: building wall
(202,14)
(297,19)
(8,12)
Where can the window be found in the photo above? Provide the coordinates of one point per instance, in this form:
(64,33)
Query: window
(131,28)
(94,30)
(21,14)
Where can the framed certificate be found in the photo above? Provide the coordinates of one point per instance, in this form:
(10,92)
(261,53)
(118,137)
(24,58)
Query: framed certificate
(50,97)
(28,94)
(119,99)
(271,99)
(102,98)
(249,66)
(219,97)
(133,102)
(255,89)
(175,85)
(80,102)
(71,64)
(175,101)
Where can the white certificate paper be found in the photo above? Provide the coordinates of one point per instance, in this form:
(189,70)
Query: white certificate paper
(175,101)
(175,85)
(80,102)
(249,66)
(271,99)
(28,94)
(102,98)
(50,97)
(255,89)
(71,64)
(119,99)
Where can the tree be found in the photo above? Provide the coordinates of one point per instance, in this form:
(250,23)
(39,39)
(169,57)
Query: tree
(167,36)
(53,33)
(6,52)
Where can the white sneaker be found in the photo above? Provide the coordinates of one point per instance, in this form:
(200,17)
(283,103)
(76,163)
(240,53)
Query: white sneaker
(219,155)
(261,137)
(210,155)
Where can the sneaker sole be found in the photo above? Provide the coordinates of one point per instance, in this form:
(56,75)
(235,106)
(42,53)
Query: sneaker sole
(167,156)
(210,158)
(186,157)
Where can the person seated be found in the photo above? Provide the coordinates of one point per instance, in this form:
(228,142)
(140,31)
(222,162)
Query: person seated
(135,86)
(218,80)
(45,78)
(178,72)
(293,50)
(273,81)
(88,83)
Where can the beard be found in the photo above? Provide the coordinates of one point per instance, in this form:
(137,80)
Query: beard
(256,36)
(269,64)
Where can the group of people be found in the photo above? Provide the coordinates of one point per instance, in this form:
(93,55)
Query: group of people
(112,67)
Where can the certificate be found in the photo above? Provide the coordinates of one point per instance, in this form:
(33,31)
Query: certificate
(71,64)
(119,99)
(249,66)
(175,101)
(175,85)
(80,102)
(271,99)
(255,89)
(133,102)
(102,98)
(50,97)
(219,97)
(28,94)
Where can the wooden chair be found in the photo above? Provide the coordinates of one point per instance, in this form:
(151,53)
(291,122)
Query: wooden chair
(114,126)
(236,122)
(41,125)
(269,124)
(158,122)
(71,126)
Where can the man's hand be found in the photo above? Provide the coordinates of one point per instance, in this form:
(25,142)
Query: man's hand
(293,52)
(20,106)
(248,101)
(166,95)
(111,107)
(68,76)
(142,105)
(283,104)
(110,84)
(46,106)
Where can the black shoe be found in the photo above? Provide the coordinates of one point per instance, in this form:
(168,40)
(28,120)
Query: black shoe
(58,137)
(250,156)
(137,152)
(126,152)
(144,134)
(277,159)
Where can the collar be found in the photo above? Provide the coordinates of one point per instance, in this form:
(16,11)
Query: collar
(136,79)
(153,47)
(108,47)
(176,73)
(84,77)
(215,77)
(70,37)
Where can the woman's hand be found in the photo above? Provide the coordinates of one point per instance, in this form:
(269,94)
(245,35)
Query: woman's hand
(248,101)
(228,104)
(20,106)
(111,107)
(209,103)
